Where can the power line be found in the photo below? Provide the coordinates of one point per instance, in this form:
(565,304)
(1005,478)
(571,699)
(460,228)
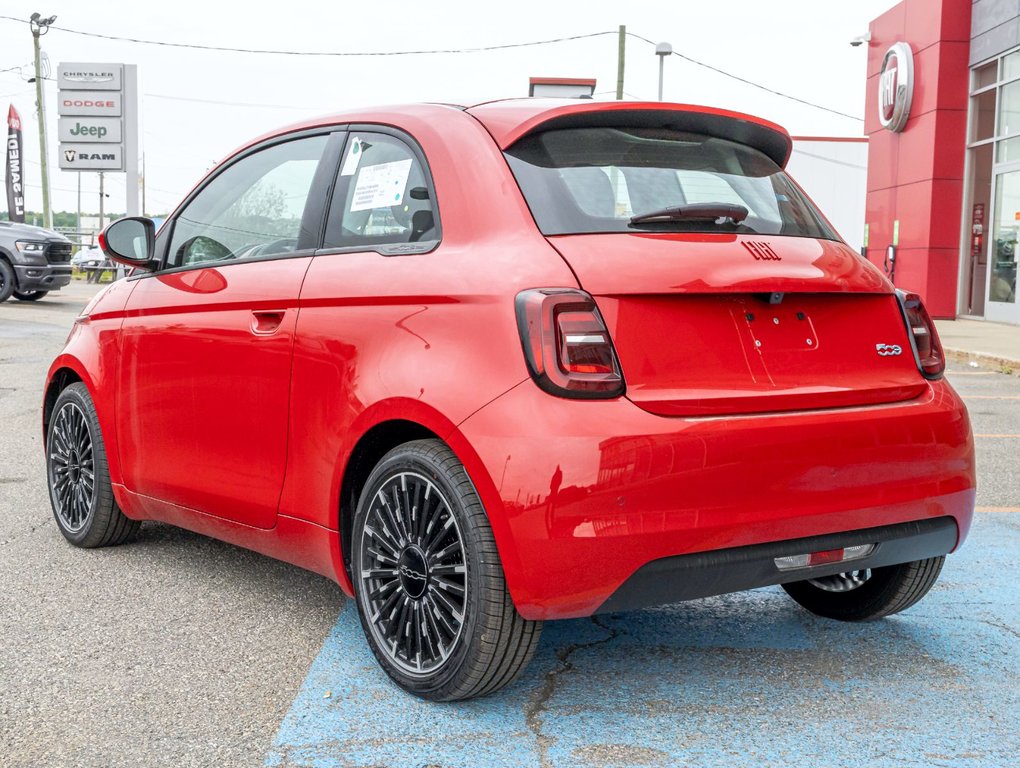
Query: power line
(16,93)
(478,49)
(229,103)
(832,160)
(752,83)
(196,46)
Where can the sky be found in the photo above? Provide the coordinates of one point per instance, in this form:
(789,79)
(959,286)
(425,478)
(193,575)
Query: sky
(197,106)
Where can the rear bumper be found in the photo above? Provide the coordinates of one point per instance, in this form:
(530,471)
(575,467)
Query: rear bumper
(42,278)
(582,495)
(688,577)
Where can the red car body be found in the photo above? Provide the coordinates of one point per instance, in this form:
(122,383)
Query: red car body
(247,401)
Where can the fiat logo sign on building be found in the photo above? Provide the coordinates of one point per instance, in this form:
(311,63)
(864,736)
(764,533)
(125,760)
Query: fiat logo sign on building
(896,87)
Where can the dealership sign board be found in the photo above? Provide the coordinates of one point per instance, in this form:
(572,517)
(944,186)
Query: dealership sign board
(91,157)
(98,126)
(105,130)
(896,87)
(90,77)
(95,103)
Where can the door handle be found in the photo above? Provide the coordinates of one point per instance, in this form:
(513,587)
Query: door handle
(266,322)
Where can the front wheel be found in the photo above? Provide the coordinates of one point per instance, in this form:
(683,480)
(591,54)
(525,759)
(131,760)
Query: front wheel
(429,583)
(29,295)
(6,281)
(78,474)
(869,594)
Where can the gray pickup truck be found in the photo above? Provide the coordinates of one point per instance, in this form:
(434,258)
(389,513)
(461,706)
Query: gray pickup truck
(33,261)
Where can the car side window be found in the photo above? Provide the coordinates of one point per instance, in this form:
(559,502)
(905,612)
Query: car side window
(381,196)
(253,208)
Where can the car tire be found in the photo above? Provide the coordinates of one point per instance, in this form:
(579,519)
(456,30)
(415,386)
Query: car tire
(424,554)
(6,281)
(78,475)
(883,592)
(30,295)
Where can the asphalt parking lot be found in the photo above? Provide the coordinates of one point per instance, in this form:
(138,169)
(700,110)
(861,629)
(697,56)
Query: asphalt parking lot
(179,650)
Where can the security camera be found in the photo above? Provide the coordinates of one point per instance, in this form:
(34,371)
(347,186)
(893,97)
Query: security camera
(865,38)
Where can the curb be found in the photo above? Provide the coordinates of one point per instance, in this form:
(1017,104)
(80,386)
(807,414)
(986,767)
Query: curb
(965,356)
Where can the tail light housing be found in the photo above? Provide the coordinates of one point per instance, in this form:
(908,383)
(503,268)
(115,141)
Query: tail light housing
(566,344)
(924,339)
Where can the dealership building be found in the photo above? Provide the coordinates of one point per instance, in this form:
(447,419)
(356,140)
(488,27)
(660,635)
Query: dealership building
(943,123)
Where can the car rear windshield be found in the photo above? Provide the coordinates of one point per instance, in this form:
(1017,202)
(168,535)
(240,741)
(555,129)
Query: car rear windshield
(581,180)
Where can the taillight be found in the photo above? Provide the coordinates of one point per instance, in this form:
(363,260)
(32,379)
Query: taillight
(924,339)
(567,345)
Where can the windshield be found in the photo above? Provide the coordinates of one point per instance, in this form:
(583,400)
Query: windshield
(579,180)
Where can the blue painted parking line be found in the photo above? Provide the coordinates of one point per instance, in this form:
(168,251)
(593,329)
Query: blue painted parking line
(747,679)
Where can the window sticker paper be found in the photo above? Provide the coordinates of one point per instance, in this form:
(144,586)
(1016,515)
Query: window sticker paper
(380,186)
(353,158)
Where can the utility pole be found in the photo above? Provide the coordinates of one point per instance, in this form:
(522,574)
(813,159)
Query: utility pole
(619,62)
(40,27)
(662,50)
(143,184)
(102,201)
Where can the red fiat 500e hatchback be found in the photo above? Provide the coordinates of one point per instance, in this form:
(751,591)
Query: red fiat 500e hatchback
(521,361)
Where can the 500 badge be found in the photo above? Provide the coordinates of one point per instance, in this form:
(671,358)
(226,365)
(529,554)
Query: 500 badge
(888,349)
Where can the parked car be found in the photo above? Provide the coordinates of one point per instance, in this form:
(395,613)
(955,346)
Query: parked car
(528,360)
(33,261)
(88,258)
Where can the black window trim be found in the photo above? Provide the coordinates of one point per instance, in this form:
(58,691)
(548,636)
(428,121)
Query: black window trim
(325,173)
(385,249)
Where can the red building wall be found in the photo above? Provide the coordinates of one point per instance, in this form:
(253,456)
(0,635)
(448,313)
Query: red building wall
(916,175)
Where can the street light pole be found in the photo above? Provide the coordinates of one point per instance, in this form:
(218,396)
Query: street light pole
(621,53)
(662,50)
(40,27)
(102,202)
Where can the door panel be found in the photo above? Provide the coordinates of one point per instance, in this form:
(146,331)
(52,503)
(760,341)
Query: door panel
(205,381)
(207,343)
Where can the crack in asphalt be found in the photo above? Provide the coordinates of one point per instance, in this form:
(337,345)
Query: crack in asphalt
(539,703)
(1003,627)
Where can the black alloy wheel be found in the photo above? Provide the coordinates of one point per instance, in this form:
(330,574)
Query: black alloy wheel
(72,467)
(78,474)
(430,588)
(413,572)
(868,594)
(29,295)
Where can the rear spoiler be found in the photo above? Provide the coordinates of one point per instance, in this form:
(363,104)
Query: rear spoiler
(509,121)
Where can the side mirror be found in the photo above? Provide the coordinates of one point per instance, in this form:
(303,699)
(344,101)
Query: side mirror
(130,241)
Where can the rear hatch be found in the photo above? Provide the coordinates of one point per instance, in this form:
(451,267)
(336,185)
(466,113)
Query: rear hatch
(724,290)
(702,328)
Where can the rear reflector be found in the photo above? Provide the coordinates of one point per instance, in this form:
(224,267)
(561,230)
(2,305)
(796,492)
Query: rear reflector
(566,344)
(825,557)
(923,337)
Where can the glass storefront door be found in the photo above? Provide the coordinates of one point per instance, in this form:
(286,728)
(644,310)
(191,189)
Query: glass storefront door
(991,215)
(1002,256)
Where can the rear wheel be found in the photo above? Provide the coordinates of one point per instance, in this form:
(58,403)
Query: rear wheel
(6,281)
(430,587)
(30,295)
(78,475)
(867,594)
